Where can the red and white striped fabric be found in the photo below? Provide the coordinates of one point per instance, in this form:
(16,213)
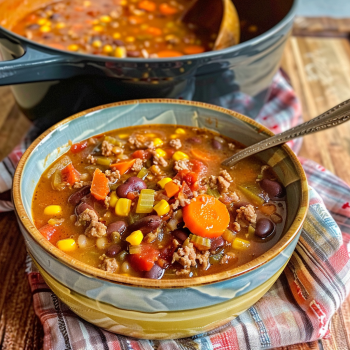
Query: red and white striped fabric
(296,309)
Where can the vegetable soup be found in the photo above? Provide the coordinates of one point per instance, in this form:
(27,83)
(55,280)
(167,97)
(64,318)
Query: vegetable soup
(154,202)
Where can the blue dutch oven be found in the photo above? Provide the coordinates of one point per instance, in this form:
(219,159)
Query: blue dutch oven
(51,84)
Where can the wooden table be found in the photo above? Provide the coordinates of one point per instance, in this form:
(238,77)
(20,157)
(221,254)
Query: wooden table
(319,69)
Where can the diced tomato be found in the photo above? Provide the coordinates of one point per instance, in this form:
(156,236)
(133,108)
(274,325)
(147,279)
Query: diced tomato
(192,180)
(181,175)
(70,174)
(49,232)
(169,152)
(185,192)
(165,256)
(145,260)
(199,167)
(142,154)
(78,147)
(131,195)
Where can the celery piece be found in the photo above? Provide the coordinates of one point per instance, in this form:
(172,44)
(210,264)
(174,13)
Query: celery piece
(133,218)
(142,173)
(251,231)
(214,193)
(252,192)
(202,243)
(260,176)
(103,161)
(228,236)
(215,259)
(113,141)
(145,202)
(134,249)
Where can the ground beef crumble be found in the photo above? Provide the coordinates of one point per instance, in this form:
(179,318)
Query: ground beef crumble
(138,165)
(227,257)
(176,143)
(112,176)
(226,175)
(246,213)
(159,160)
(109,265)
(185,256)
(181,165)
(231,146)
(95,228)
(222,184)
(90,159)
(106,149)
(80,184)
(203,259)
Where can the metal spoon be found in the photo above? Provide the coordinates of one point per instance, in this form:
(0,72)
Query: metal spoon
(333,117)
(218,17)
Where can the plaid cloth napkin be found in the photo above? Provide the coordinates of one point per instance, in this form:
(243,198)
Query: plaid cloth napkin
(296,309)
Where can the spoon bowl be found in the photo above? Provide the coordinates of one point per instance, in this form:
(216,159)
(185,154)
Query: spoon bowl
(215,16)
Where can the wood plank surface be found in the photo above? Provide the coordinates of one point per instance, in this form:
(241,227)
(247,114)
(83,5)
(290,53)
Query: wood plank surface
(319,69)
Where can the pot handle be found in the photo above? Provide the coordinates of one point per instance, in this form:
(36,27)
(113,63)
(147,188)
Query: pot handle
(33,66)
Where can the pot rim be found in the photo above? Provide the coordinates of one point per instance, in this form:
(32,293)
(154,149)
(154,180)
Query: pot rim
(81,267)
(205,55)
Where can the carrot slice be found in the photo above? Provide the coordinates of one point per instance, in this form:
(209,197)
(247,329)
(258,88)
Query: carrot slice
(99,186)
(123,167)
(169,53)
(193,49)
(147,5)
(154,31)
(70,174)
(171,189)
(206,217)
(167,10)
(204,156)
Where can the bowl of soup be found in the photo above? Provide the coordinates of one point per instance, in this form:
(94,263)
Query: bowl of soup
(66,56)
(135,225)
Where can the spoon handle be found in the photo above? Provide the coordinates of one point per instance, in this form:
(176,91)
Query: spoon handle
(333,117)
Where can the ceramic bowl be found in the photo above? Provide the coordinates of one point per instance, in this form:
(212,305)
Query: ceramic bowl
(157,309)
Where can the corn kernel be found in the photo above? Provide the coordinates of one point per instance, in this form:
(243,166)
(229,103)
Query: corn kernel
(164,181)
(123,136)
(87,3)
(42,21)
(157,142)
(120,52)
(178,155)
(129,39)
(180,131)
(174,136)
(240,244)
(96,44)
(97,28)
(116,35)
(67,245)
(107,49)
(105,19)
(122,208)
(45,29)
(60,25)
(135,238)
(53,210)
(162,207)
(160,152)
(73,47)
(103,161)
(113,199)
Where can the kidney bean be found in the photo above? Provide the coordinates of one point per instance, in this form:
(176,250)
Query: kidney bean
(273,188)
(216,144)
(130,185)
(180,234)
(216,243)
(82,207)
(194,139)
(76,197)
(118,42)
(117,226)
(133,53)
(146,224)
(264,227)
(113,250)
(155,273)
